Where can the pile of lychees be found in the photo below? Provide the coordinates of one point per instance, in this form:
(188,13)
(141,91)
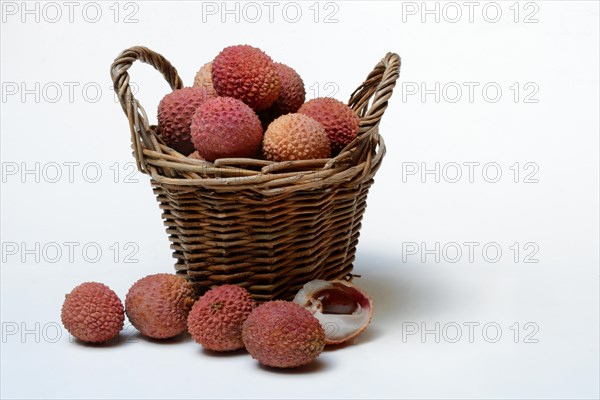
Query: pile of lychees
(282,334)
(244,105)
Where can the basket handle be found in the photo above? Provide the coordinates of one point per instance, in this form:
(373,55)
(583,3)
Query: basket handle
(138,121)
(379,86)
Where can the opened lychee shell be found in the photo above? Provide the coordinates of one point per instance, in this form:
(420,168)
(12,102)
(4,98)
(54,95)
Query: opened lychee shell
(341,308)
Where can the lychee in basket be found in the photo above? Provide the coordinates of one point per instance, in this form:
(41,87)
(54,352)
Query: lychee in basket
(267,226)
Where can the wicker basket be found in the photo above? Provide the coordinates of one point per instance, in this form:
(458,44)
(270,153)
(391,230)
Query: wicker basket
(267,226)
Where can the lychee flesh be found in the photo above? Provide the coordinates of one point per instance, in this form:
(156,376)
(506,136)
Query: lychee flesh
(217,318)
(340,121)
(343,310)
(225,127)
(93,313)
(246,73)
(158,305)
(295,137)
(203,79)
(175,112)
(282,334)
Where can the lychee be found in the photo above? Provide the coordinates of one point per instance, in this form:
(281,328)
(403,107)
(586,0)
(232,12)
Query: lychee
(217,317)
(175,112)
(246,73)
(343,310)
(340,121)
(292,93)
(196,156)
(92,312)
(226,127)
(282,334)
(203,79)
(295,137)
(158,305)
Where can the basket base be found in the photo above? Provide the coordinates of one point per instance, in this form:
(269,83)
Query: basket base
(272,247)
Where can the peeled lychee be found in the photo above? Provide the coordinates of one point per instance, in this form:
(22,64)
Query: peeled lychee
(217,317)
(343,310)
(246,73)
(340,121)
(295,137)
(282,334)
(224,127)
(203,79)
(92,312)
(158,305)
(175,112)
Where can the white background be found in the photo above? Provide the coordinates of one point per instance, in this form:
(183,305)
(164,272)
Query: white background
(551,214)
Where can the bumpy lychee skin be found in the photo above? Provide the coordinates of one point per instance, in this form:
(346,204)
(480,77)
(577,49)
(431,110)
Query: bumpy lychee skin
(196,156)
(217,317)
(292,93)
(340,121)
(295,137)
(246,73)
(158,305)
(175,112)
(282,334)
(225,127)
(203,79)
(92,312)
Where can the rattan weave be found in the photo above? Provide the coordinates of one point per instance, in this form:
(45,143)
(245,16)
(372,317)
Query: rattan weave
(267,226)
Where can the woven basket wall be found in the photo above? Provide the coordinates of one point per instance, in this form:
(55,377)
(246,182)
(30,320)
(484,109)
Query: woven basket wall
(267,226)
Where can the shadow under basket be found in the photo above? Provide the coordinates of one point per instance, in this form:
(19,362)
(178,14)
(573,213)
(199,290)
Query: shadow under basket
(267,226)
